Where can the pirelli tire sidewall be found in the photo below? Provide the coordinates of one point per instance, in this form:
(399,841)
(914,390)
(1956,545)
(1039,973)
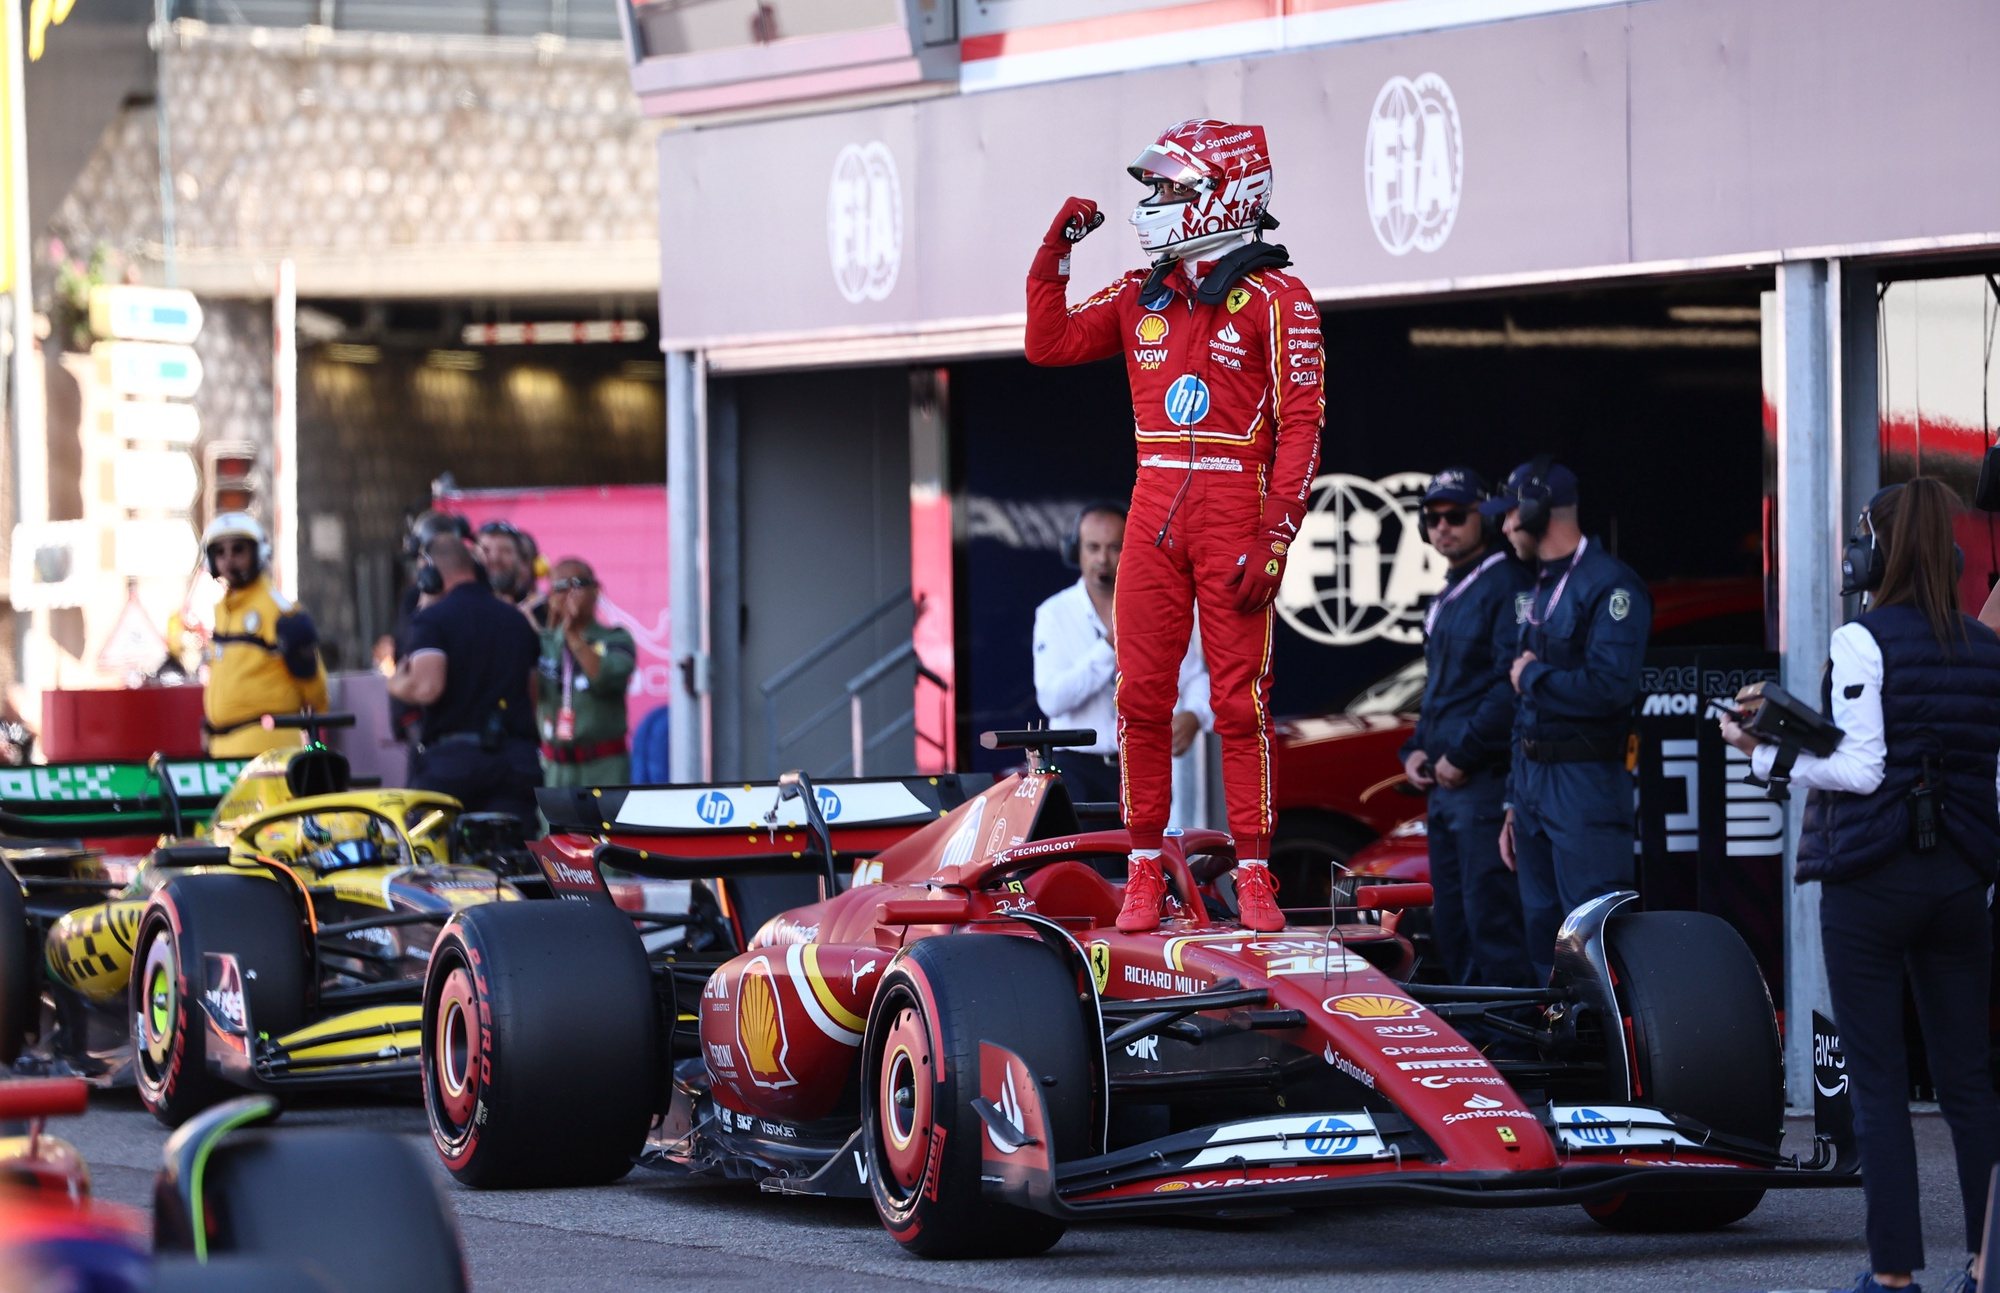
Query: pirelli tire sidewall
(940,998)
(20,970)
(541,1052)
(251,917)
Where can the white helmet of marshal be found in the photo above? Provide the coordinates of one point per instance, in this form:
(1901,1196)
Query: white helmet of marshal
(234,525)
(1211,183)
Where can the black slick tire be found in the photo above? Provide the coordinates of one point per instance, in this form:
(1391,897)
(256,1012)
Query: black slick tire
(1705,1045)
(542,1056)
(920,1074)
(251,916)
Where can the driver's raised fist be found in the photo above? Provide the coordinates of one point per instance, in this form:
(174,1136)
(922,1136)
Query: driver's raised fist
(1071,226)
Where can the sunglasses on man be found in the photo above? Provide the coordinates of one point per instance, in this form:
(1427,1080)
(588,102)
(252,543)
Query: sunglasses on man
(1453,517)
(571,584)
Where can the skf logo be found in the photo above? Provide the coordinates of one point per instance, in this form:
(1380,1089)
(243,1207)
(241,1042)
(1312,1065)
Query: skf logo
(1360,569)
(1151,329)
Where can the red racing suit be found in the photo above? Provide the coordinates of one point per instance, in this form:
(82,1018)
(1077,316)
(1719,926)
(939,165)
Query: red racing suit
(1227,405)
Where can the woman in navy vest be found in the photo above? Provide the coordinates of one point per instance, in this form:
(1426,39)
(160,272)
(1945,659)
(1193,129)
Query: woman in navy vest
(1902,830)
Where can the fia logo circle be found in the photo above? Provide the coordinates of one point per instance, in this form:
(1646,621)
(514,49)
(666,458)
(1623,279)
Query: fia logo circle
(1413,168)
(1359,568)
(1187,400)
(864,222)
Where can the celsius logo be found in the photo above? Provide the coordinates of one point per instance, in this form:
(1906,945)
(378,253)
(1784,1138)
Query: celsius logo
(715,808)
(1187,400)
(864,222)
(1414,165)
(829,803)
(1360,568)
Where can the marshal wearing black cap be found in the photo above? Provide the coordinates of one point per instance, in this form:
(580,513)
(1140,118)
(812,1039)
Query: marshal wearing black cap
(1583,644)
(1460,749)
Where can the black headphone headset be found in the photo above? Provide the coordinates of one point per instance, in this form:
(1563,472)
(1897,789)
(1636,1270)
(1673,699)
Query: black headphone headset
(1865,560)
(1072,542)
(1532,497)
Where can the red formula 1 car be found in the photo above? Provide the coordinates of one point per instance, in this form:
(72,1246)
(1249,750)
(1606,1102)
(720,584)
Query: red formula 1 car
(962,1034)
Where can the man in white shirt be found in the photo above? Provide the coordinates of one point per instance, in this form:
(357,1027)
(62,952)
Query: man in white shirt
(1076,668)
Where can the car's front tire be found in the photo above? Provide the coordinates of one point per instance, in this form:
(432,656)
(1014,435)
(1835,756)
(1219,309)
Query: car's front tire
(1704,1044)
(920,1074)
(251,916)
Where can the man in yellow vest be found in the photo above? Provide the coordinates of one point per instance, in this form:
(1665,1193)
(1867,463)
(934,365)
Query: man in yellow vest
(264,655)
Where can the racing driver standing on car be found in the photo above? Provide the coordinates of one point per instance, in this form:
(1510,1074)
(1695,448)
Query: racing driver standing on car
(1223,353)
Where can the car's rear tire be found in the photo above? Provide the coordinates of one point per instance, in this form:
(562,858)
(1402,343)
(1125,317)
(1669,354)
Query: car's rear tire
(1705,1044)
(920,1074)
(355,1209)
(20,976)
(251,916)
(542,1055)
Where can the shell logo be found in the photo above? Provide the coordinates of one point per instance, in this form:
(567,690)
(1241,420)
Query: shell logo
(1169,1187)
(760,1027)
(1151,329)
(1372,1007)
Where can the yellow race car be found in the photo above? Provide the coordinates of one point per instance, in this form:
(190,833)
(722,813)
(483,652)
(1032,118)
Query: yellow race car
(284,948)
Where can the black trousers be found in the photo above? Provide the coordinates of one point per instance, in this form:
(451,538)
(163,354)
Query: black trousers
(1476,921)
(1924,914)
(485,781)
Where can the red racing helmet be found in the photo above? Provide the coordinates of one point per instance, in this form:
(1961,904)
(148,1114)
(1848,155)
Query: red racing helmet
(1210,182)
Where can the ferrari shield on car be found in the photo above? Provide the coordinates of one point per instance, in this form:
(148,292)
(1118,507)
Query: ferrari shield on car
(282,948)
(913,990)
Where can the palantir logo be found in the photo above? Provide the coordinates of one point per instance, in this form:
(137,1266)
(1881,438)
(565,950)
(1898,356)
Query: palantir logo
(1414,166)
(864,222)
(1360,568)
(715,808)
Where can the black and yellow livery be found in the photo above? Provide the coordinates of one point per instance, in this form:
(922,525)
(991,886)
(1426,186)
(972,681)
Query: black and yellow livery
(284,945)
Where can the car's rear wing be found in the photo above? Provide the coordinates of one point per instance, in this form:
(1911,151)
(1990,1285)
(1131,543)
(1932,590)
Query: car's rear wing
(71,800)
(733,819)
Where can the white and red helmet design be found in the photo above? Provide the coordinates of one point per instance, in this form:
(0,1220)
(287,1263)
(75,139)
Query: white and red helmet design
(1228,168)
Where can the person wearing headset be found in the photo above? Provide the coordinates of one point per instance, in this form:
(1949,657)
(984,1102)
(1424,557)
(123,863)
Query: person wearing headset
(1462,745)
(1223,351)
(263,657)
(1567,832)
(1902,829)
(1076,666)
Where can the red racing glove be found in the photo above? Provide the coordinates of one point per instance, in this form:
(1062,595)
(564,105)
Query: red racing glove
(1260,572)
(1074,223)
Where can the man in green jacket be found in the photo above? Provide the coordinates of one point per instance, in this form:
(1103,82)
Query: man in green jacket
(580,697)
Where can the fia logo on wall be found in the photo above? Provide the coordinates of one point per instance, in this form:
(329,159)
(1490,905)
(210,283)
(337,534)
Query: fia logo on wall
(1360,568)
(864,221)
(1414,165)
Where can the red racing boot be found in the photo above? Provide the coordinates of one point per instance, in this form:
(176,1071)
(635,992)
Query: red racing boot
(1256,899)
(1145,889)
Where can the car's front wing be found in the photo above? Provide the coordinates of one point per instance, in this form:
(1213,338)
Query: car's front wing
(1306,1159)
(374,1043)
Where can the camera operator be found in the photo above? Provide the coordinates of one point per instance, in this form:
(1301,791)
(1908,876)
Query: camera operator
(470,661)
(1902,830)
(1460,749)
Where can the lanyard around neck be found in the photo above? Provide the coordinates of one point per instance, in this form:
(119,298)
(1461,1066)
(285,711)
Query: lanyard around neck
(1452,594)
(1555,598)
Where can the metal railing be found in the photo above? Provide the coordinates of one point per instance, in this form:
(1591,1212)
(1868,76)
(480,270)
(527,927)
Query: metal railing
(853,693)
(572,19)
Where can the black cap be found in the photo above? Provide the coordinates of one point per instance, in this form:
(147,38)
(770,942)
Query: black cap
(1557,489)
(1457,485)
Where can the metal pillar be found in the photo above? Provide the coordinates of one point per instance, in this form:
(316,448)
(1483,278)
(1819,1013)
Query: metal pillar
(728,708)
(687,552)
(1808,577)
